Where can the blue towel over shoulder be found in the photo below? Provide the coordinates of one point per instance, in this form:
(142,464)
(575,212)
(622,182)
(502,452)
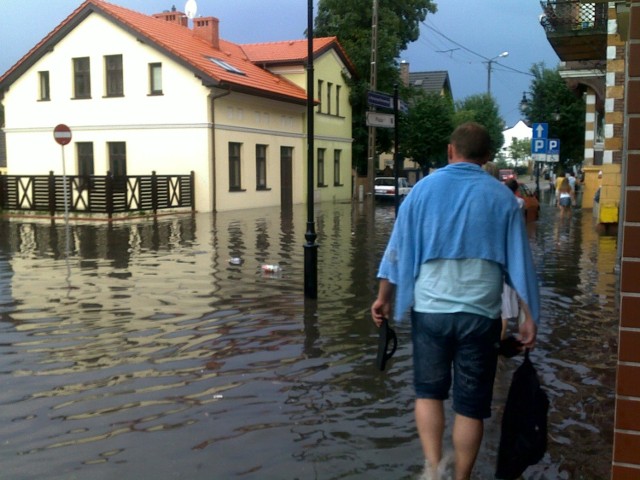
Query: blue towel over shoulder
(430,226)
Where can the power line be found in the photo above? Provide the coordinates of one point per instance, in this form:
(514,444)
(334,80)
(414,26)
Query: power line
(460,46)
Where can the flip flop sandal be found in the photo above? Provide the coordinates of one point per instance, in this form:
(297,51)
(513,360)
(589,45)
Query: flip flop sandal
(386,335)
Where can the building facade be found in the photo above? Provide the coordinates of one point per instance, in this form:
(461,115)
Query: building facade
(150,93)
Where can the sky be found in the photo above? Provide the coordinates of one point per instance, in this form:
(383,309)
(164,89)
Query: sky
(459,38)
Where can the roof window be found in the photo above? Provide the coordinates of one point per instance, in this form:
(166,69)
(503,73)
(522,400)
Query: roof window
(226,66)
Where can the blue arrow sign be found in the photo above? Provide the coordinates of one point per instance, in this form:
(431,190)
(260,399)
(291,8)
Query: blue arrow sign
(377,99)
(540,130)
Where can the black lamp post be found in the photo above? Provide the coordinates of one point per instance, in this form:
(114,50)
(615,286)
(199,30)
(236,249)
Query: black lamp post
(310,247)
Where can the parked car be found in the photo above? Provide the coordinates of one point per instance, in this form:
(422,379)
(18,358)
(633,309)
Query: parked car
(505,174)
(531,203)
(385,187)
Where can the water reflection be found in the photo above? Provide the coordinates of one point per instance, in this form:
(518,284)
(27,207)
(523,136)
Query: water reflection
(159,357)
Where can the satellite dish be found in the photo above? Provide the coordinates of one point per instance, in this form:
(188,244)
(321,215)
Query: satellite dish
(190,9)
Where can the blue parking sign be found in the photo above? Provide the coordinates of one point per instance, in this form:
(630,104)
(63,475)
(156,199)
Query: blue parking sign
(539,145)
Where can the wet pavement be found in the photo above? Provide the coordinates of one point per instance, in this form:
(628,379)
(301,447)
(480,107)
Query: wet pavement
(151,352)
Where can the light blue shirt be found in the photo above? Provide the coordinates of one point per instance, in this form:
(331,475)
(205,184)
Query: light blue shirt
(469,285)
(459,212)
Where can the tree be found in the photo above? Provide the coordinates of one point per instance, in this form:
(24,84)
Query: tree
(483,109)
(425,130)
(551,101)
(519,149)
(350,20)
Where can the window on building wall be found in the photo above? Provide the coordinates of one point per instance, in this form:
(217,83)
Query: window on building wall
(235,177)
(43,86)
(117,158)
(338,100)
(321,152)
(118,164)
(599,128)
(114,76)
(84,152)
(155,79)
(81,77)
(336,167)
(319,95)
(261,167)
(84,155)
(329,91)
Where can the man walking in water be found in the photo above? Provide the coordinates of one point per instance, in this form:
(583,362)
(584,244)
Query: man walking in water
(458,236)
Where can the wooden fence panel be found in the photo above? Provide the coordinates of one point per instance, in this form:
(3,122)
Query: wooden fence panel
(96,194)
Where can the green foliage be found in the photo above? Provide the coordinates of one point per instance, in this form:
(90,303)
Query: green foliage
(483,109)
(520,149)
(350,20)
(552,101)
(425,130)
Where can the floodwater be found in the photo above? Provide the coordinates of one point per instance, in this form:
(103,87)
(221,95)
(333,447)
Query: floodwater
(147,353)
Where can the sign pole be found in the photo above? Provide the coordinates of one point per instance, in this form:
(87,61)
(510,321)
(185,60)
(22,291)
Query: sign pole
(62,136)
(396,154)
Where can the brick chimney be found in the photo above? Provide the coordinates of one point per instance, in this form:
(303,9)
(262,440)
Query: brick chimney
(173,17)
(207,28)
(404,73)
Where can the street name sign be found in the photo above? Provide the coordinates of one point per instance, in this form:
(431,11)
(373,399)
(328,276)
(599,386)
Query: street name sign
(379,99)
(383,120)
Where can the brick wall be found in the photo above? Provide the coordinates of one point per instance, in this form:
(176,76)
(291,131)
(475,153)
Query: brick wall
(626,446)
(614,106)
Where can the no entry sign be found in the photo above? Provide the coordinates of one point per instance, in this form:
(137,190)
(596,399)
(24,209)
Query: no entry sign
(62,134)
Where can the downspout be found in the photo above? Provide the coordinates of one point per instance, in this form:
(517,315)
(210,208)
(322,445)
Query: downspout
(213,98)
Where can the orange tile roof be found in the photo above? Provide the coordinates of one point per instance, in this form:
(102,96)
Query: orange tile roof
(182,45)
(293,51)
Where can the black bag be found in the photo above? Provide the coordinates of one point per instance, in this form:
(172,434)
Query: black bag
(523,439)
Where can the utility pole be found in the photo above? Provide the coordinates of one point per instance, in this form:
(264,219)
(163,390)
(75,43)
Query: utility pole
(371,151)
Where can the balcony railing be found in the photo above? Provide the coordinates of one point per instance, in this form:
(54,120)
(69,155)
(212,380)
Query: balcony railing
(573,16)
(101,194)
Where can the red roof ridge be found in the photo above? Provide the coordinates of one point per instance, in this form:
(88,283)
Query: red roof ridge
(178,41)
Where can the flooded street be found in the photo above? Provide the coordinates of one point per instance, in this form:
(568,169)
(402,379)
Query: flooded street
(152,353)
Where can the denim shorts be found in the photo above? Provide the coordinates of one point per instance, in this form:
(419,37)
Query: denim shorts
(466,341)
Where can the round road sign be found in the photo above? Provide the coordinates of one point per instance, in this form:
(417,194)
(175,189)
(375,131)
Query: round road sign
(62,134)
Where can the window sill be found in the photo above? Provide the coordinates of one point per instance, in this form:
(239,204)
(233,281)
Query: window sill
(155,94)
(119,95)
(81,98)
(232,190)
(263,189)
(322,185)
(338,184)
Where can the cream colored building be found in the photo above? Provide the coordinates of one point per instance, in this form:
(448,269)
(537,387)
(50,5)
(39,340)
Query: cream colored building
(150,93)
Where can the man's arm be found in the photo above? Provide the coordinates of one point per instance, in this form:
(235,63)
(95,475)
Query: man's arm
(381,307)
(528,329)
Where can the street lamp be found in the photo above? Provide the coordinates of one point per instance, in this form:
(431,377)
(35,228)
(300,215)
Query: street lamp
(310,247)
(489,64)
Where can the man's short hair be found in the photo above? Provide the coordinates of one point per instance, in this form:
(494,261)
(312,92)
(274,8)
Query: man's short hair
(472,141)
